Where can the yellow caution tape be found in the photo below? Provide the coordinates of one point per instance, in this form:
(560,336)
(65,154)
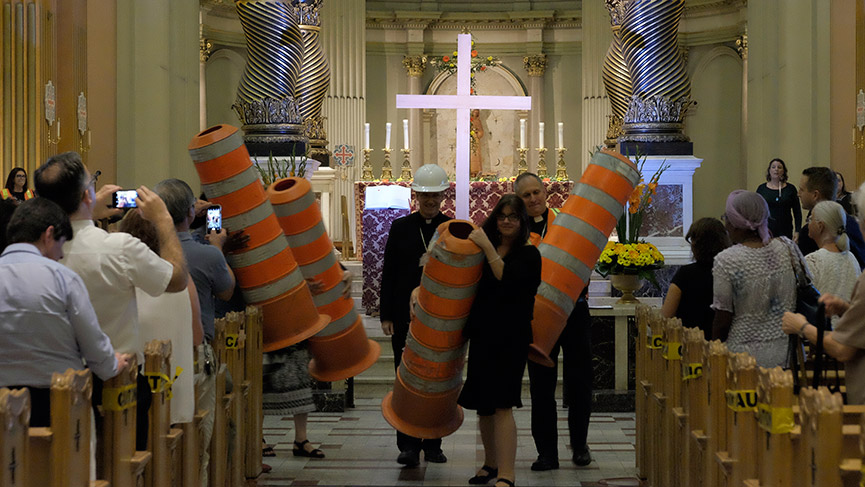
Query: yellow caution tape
(119,398)
(672,351)
(160,382)
(233,341)
(692,371)
(742,400)
(656,342)
(775,420)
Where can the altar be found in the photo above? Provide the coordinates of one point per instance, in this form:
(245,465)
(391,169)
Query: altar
(374,224)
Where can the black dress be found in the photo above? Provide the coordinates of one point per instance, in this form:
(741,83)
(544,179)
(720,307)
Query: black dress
(780,205)
(695,281)
(499,330)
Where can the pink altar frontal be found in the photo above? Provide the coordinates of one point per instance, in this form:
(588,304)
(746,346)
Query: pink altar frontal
(373,225)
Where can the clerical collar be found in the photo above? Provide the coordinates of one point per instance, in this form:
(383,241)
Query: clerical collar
(428,221)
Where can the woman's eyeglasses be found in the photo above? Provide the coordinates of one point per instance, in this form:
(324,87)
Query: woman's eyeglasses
(513,217)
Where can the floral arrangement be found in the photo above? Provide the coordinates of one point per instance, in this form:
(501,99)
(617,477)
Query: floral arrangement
(631,255)
(448,63)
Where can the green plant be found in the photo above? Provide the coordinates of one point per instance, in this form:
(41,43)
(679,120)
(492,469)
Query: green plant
(292,166)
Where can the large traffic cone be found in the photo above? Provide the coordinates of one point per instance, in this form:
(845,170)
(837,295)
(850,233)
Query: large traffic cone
(341,350)
(423,402)
(573,243)
(266,270)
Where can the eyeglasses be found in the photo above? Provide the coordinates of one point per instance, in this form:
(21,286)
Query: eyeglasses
(513,217)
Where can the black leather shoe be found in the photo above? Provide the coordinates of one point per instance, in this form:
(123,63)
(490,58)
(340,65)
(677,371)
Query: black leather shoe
(543,464)
(582,457)
(435,456)
(409,458)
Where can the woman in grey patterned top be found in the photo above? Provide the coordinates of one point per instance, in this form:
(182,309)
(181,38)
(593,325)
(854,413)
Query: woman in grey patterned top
(754,282)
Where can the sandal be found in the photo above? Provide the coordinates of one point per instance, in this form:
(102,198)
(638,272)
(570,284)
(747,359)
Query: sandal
(509,483)
(268,451)
(265,468)
(483,479)
(300,451)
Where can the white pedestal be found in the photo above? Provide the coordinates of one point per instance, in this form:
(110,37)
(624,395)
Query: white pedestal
(323,180)
(673,206)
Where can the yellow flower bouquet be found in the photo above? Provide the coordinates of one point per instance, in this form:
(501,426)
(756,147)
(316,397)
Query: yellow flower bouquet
(631,255)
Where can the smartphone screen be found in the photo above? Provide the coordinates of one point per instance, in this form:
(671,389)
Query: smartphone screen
(126,198)
(214,218)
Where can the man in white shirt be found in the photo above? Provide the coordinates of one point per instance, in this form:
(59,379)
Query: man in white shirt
(112,265)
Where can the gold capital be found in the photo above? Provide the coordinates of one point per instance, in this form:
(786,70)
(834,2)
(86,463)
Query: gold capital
(535,64)
(204,49)
(414,65)
(742,46)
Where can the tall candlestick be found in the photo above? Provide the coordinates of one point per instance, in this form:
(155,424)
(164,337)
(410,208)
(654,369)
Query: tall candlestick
(405,133)
(58,129)
(387,135)
(540,135)
(522,133)
(561,134)
(366,135)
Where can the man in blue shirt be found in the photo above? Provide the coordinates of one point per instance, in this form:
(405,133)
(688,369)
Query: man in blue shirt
(46,319)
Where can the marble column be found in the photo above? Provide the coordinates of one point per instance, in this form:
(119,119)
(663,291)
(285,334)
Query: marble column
(414,67)
(536,66)
(596,106)
(742,49)
(343,37)
(205,48)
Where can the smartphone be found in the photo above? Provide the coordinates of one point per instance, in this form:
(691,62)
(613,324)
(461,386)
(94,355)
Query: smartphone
(125,198)
(214,218)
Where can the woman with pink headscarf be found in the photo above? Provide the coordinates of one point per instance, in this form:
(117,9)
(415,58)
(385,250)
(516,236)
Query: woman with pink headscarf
(754,282)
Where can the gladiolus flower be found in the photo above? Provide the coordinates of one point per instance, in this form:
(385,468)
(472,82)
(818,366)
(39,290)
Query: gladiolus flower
(474,53)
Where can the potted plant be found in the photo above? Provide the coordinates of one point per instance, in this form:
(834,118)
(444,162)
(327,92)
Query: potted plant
(631,259)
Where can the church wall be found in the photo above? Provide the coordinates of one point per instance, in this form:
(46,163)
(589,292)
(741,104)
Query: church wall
(157,90)
(843,89)
(224,70)
(563,88)
(714,127)
(788,86)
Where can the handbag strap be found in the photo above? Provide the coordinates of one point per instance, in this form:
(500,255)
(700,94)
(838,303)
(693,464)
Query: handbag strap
(800,268)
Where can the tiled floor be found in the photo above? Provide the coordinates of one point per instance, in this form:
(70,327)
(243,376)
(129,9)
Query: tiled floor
(361,450)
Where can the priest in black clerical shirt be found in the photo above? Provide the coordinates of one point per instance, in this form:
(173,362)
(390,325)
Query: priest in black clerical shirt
(575,344)
(408,240)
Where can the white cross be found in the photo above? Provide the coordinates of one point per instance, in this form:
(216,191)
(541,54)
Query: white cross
(463,102)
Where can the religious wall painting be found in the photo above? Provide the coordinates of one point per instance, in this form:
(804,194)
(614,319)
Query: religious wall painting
(496,131)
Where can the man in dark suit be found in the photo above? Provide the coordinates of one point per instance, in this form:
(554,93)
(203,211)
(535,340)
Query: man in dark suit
(820,184)
(408,240)
(575,343)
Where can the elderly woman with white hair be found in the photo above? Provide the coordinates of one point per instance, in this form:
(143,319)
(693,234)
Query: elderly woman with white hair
(753,282)
(847,340)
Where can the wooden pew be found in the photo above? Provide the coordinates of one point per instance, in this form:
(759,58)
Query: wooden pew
(739,461)
(60,455)
(672,369)
(254,417)
(120,464)
(691,415)
(776,419)
(644,388)
(163,442)
(711,437)
(230,346)
(219,442)
(14,441)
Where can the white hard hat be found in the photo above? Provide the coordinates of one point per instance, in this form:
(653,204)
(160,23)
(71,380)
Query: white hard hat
(430,178)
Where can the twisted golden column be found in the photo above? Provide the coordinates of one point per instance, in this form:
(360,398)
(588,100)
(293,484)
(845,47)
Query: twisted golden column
(314,78)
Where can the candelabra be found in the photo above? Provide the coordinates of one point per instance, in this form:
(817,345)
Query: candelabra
(386,169)
(561,169)
(55,140)
(542,163)
(523,165)
(84,145)
(367,167)
(405,173)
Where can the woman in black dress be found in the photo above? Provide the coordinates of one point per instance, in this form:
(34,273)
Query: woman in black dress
(844,197)
(499,330)
(782,198)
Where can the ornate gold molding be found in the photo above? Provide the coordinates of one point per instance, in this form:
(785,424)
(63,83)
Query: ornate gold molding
(535,64)
(205,49)
(742,46)
(415,65)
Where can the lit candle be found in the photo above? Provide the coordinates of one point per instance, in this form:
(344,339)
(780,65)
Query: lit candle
(405,133)
(522,133)
(540,135)
(366,135)
(387,135)
(561,135)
